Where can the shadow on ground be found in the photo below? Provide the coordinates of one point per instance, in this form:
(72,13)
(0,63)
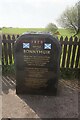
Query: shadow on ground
(64,105)
(8,82)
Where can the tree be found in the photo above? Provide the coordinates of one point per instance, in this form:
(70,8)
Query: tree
(51,27)
(79,16)
(69,18)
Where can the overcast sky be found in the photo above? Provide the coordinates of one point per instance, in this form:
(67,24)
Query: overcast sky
(31,13)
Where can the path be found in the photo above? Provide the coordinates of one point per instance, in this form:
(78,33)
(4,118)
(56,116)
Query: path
(64,105)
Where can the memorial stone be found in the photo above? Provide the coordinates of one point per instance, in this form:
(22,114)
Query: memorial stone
(37,58)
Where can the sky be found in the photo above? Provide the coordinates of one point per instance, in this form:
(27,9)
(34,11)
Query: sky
(32,13)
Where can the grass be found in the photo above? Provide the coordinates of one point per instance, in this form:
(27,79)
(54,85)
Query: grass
(63,32)
(79,35)
(20,30)
(66,32)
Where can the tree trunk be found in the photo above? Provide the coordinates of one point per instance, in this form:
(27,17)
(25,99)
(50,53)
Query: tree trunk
(77,31)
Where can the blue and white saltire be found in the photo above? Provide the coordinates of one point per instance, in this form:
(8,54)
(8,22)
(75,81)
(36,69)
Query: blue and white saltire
(47,46)
(26,45)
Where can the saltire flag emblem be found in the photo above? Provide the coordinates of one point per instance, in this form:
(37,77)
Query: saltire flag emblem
(47,46)
(26,45)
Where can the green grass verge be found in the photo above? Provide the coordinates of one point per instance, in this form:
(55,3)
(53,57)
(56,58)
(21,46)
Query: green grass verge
(20,30)
(79,35)
(63,32)
(66,32)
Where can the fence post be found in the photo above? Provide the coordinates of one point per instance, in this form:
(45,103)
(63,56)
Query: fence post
(9,50)
(13,38)
(74,52)
(69,52)
(61,41)
(64,52)
(0,50)
(5,51)
(78,55)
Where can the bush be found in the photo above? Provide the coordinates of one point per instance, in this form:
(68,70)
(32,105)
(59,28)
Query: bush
(51,27)
(69,73)
(64,73)
(8,69)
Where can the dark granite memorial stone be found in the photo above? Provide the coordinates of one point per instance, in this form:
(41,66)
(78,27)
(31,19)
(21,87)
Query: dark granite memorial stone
(37,64)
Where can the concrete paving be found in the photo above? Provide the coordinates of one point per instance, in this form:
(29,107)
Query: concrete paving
(64,105)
